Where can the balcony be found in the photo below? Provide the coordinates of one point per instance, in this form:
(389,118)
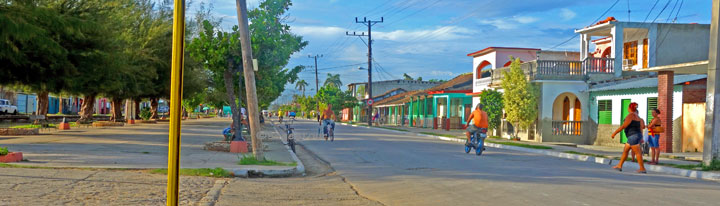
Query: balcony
(557,70)
(568,128)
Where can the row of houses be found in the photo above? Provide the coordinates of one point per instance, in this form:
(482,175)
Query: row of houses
(27,103)
(584,95)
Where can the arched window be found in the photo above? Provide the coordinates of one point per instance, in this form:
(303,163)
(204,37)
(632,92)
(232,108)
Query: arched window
(485,65)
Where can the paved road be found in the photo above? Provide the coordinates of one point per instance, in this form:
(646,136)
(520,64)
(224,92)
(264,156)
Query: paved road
(399,169)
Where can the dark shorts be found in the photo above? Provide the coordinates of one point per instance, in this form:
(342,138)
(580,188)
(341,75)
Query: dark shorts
(654,140)
(472,129)
(634,139)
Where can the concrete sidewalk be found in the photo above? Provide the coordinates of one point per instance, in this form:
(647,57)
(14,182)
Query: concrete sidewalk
(588,153)
(140,146)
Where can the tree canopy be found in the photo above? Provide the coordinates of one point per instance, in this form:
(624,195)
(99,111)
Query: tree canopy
(520,97)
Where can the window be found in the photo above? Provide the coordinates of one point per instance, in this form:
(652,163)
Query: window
(630,52)
(651,104)
(605,112)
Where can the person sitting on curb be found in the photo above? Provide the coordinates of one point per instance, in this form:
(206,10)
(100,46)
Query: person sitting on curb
(480,123)
(633,127)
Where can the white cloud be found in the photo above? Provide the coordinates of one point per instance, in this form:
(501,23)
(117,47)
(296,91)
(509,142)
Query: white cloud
(318,31)
(567,14)
(509,22)
(440,33)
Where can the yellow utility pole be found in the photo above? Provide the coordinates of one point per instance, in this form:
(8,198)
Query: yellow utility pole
(176,85)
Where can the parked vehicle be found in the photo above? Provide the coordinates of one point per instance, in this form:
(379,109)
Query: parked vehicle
(7,108)
(163,109)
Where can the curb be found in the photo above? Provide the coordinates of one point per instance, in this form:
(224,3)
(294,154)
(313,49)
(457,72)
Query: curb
(213,194)
(703,175)
(298,169)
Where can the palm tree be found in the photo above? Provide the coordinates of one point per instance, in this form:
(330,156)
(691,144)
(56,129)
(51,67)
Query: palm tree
(333,80)
(300,85)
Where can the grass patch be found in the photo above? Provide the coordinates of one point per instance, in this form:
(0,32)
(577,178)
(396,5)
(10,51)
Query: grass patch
(521,145)
(6,165)
(34,126)
(586,154)
(495,137)
(250,160)
(396,129)
(436,134)
(714,166)
(204,172)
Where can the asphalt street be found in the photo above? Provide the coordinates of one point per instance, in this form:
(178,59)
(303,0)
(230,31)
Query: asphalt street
(400,169)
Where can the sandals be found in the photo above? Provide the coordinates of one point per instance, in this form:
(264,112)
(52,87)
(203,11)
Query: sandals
(642,172)
(617,168)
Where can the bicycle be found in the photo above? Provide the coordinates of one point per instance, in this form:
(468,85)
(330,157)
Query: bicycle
(290,137)
(477,143)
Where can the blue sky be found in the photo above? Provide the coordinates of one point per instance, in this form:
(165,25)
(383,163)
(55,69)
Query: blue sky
(431,38)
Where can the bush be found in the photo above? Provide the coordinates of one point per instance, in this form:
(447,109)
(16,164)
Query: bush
(145,113)
(4,151)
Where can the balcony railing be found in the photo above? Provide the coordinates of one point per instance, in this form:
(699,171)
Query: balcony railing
(558,69)
(571,128)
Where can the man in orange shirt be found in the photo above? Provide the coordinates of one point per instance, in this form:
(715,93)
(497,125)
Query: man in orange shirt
(480,122)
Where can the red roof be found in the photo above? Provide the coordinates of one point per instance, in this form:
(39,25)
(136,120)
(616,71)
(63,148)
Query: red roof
(489,49)
(474,93)
(447,92)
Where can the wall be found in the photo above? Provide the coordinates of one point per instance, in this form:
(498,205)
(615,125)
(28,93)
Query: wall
(680,43)
(552,89)
(695,91)
(638,95)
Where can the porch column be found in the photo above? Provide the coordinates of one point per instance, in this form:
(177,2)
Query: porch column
(711,143)
(410,113)
(617,50)
(665,105)
(584,46)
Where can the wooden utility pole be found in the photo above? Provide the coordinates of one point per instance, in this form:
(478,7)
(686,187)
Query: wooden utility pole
(711,144)
(317,82)
(369,24)
(252,102)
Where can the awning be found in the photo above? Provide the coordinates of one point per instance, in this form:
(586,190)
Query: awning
(698,67)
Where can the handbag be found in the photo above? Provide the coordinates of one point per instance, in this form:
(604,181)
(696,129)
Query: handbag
(658,129)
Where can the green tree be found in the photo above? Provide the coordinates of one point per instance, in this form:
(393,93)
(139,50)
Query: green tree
(492,100)
(300,85)
(520,97)
(407,77)
(333,80)
(339,99)
(419,78)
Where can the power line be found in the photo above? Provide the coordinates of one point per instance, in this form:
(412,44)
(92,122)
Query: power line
(418,11)
(661,11)
(596,20)
(651,9)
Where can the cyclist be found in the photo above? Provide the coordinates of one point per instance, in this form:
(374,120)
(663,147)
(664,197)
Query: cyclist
(480,123)
(292,115)
(328,118)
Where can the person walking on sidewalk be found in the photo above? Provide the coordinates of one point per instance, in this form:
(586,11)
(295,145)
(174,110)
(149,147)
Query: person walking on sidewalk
(633,127)
(480,123)
(655,128)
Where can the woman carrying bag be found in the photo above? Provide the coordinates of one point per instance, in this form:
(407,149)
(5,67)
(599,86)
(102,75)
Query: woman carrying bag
(655,129)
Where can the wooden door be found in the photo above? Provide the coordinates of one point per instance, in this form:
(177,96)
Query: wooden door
(693,127)
(468,110)
(645,53)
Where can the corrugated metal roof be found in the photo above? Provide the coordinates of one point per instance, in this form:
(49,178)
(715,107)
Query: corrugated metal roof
(646,82)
